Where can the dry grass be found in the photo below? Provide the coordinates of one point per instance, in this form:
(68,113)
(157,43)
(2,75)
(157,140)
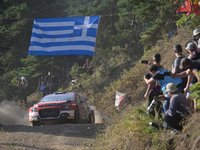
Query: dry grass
(129,130)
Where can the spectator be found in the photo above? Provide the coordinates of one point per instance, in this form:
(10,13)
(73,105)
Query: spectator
(50,87)
(191,69)
(178,53)
(154,89)
(178,107)
(193,51)
(86,64)
(176,64)
(163,80)
(196,37)
(22,90)
(48,77)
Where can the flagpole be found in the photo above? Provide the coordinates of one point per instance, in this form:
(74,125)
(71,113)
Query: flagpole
(52,64)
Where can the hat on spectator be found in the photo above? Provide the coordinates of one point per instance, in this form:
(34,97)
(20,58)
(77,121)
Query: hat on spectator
(191,46)
(171,87)
(196,32)
(184,62)
(23,78)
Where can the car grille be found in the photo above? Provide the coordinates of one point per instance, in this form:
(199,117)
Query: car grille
(51,112)
(49,105)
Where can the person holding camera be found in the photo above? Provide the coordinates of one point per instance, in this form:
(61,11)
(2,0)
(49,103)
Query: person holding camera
(196,37)
(178,107)
(153,89)
(163,78)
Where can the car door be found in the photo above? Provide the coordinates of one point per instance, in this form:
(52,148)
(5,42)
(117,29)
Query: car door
(85,108)
(81,106)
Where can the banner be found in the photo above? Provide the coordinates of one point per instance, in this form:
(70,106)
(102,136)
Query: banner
(64,36)
(190,6)
(119,98)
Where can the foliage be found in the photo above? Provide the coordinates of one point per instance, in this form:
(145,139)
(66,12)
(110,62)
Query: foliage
(75,71)
(195,89)
(192,21)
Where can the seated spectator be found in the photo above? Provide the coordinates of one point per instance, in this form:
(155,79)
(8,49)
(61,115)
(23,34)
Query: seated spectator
(178,107)
(163,80)
(196,37)
(154,89)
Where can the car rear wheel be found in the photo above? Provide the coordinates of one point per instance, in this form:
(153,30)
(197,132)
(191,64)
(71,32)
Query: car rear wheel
(76,115)
(91,117)
(35,123)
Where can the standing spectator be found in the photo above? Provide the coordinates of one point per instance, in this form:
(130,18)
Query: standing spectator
(176,64)
(48,77)
(178,107)
(196,37)
(178,53)
(22,90)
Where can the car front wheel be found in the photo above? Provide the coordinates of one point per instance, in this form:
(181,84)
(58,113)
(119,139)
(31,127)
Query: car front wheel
(35,123)
(76,115)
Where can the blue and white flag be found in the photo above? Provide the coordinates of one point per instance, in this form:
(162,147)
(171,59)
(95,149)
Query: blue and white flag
(64,36)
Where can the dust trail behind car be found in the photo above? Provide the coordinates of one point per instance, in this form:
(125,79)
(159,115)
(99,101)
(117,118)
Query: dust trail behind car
(11,114)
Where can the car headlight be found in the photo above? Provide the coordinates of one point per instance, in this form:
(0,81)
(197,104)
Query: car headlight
(34,109)
(65,107)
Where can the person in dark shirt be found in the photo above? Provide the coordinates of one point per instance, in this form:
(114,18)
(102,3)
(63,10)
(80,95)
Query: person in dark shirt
(191,70)
(193,51)
(154,89)
(176,64)
(178,108)
(163,80)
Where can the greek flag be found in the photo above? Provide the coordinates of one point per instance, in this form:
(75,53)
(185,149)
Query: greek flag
(64,36)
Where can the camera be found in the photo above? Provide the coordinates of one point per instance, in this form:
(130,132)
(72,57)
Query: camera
(144,61)
(167,73)
(147,76)
(152,105)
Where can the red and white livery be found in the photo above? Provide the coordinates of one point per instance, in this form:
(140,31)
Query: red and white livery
(61,107)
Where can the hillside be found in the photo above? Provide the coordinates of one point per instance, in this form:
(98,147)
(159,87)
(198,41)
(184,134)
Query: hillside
(124,131)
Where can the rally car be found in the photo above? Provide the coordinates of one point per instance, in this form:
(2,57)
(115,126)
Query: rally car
(61,107)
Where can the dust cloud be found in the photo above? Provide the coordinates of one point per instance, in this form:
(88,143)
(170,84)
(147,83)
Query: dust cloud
(11,114)
(99,118)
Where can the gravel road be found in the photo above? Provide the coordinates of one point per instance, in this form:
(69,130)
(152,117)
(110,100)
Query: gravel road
(51,137)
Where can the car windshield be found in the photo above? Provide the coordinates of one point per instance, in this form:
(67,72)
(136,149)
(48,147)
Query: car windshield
(53,98)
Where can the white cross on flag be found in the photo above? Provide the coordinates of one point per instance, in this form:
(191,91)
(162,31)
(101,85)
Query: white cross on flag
(64,36)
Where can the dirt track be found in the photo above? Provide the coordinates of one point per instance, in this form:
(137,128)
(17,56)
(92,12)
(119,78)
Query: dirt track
(55,137)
